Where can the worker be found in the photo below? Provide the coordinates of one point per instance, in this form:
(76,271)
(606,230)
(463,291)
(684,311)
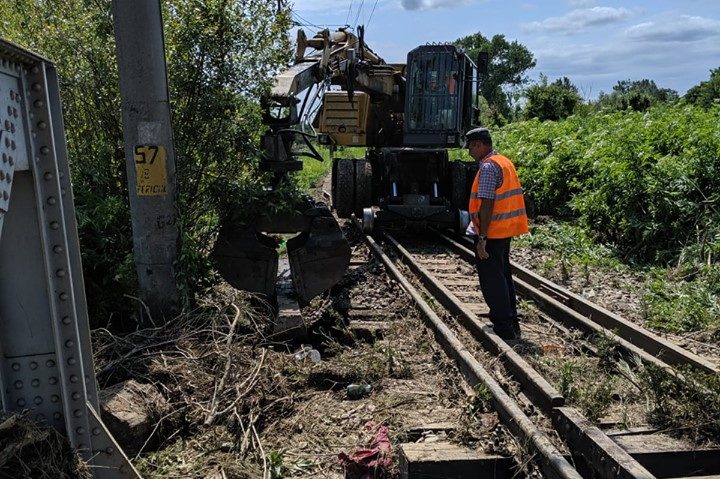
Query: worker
(497,214)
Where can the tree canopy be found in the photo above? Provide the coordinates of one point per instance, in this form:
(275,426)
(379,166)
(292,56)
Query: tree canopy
(705,93)
(509,63)
(220,55)
(638,95)
(553,101)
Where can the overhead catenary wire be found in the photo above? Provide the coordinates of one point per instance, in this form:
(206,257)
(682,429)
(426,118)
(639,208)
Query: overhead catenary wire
(367,25)
(357,16)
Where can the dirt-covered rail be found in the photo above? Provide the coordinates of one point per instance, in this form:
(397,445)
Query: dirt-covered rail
(580,313)
(530,405)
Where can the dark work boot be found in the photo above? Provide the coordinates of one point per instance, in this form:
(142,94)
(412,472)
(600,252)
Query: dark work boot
(516,328)
(505,333)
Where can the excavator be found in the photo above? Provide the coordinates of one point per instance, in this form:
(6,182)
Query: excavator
(406,116)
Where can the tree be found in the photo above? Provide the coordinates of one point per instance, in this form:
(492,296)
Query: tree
(636,95)
(221,55)
(509,61)
(705,93)
(553,101)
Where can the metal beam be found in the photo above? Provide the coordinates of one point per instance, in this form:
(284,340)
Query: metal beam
(46,363)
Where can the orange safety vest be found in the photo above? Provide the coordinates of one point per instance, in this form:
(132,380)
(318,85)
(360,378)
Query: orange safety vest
(508,215)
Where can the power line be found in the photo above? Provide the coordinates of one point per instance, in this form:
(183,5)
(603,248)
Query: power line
(348,13)
(358,12)
(305,22)
(371,14)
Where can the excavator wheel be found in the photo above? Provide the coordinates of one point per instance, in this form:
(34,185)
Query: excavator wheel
(363,186)
(460,193)
(343,187)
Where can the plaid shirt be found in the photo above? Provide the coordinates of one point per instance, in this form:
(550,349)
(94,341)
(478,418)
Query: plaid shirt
(491,177)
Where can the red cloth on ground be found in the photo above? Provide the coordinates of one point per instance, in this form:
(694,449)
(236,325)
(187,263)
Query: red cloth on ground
(365,463)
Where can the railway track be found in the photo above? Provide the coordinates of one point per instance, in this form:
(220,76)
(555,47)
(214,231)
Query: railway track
(438,273)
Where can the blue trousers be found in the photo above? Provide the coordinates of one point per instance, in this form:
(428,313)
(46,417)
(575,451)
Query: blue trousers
(497,287)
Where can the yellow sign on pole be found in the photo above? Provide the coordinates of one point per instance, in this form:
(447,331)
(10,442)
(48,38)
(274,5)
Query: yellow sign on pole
(150,170)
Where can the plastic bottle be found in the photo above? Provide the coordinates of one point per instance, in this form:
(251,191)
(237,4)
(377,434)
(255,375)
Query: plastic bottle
(306,351)
(356,391)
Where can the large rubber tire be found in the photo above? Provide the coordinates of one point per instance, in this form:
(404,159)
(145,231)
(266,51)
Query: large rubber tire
(344,188)
(460,189)
(363,186)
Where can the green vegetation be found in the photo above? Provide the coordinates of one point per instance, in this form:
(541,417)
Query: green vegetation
(582,382)
(689,406)
(314,170)
(645,182)
(706,93)
(686,303)
(636,95)
(220,56)
(551,101)
(634,186)
(570,241)
(509,63)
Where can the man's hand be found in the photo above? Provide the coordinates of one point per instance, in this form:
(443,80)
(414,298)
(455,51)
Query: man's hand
(482,254)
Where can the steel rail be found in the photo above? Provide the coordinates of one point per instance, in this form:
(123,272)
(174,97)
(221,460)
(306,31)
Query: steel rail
(536,387)
(551,460)
(579,312)
(584,438)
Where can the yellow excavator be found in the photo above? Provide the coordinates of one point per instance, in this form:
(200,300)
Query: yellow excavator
(406,116)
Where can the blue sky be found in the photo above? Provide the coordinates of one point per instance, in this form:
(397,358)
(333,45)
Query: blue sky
(594,43)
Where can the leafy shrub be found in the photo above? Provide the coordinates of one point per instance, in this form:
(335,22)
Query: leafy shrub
(221,56)
(646,182)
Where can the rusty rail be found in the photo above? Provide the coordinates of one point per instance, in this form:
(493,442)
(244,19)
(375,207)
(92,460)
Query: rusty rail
(591,318)
(584,439)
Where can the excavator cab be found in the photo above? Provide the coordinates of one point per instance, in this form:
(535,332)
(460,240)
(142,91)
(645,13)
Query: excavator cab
(441,97)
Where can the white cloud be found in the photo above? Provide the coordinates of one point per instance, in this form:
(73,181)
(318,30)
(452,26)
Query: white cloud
(682,29)
(580,3)
(429,4)
(577,20)
(601,64)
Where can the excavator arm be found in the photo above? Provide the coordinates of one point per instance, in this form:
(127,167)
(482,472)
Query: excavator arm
(407,116)
(245,254)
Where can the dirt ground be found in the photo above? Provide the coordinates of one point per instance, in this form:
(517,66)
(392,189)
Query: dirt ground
(244,404)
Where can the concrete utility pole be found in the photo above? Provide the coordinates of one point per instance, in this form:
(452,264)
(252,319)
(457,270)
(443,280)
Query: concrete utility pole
(149,152)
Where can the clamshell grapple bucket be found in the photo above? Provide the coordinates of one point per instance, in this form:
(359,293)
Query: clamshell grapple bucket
(318,258)
(247,258)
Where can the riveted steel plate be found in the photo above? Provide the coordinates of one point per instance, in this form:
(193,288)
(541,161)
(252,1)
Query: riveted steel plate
(12,134)
(45,356)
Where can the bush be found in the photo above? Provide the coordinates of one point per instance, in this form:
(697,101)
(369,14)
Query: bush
(645,182)
(221,56)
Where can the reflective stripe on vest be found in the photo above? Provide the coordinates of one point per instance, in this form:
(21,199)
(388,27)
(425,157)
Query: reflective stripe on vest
(509,217)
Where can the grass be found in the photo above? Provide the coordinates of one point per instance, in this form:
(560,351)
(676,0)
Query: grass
(571,244)
(583,381)
(688,303)
(314,170)
(681,298)
(689,408)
